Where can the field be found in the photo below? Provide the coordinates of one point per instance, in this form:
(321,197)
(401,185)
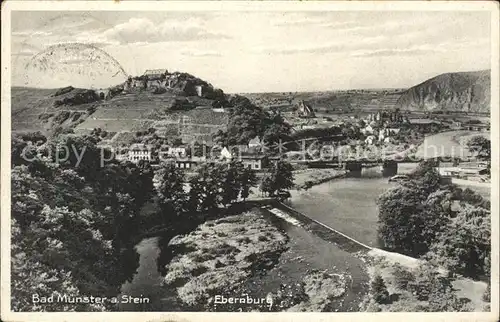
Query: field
(330,101)
(447,144)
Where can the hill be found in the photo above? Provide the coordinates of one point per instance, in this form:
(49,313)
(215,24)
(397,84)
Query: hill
(36,109)
(186,107)
(464,91)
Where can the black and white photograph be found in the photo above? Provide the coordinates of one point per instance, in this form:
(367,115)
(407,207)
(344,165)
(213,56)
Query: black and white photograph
(250,157)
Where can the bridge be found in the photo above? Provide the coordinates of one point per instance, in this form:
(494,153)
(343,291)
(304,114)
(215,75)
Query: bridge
(389,167)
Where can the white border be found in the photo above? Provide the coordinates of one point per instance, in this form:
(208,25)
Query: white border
(9,6)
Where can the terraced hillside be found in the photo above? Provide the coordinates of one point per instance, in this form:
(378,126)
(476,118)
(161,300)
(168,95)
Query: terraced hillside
(123,115)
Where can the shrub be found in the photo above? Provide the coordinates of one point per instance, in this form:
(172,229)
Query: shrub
(379,290)
(487,293)
(262,238)
(402,277)
(159,90)
(64,90)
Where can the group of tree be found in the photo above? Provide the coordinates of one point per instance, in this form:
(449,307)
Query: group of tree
(214,185)
(247,121)
(278,179)
(481,147)
(74,221)
(425,218)
(431,290)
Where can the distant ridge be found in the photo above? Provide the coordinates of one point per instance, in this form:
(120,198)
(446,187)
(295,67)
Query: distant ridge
(463,91)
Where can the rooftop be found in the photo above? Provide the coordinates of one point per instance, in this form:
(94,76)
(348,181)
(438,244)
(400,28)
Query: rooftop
(155,71)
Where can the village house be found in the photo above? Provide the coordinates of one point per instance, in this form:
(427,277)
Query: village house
(155,74)
(254,162)
(304,110)
(393,130)
(466,172)
(382,135)
(456,125)
(139,152)
(249,159)
(367,130)
(255,143)
(225,154)
(177,152)
(370,139)
(184,163)
(478,127)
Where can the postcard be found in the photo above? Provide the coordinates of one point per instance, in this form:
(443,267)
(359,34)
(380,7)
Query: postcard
(260,161)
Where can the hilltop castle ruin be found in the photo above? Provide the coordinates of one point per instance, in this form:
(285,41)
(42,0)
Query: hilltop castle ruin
(161,79)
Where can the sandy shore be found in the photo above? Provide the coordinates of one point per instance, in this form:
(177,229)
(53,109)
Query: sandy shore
(304,179)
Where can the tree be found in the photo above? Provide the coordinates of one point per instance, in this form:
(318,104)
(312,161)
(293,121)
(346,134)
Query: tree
(437,290)
(248,180)
(425,178)
(414,213)
(464,245)
(79,152)
(275,129)
(247,121)
(73,223)
(231,182)
(170,190)
(400,221)
(205,193)
(481,146)
(379,290)
(402,277)
(279,178)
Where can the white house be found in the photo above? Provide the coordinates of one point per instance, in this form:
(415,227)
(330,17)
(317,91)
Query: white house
(367,130)
(370,139)
(381,135)
(393,130)
(177,152)
(139,152)
(254,162)
(226,154)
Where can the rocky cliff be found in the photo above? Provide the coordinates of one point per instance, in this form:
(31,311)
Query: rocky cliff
(464,91)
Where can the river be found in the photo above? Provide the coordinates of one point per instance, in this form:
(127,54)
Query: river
(305,252)
(348,205)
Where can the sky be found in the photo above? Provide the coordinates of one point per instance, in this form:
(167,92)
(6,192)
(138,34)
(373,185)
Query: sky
(249,51)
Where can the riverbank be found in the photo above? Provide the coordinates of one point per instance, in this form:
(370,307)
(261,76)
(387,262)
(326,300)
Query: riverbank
(305,179)
(217,257)
(256,255)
